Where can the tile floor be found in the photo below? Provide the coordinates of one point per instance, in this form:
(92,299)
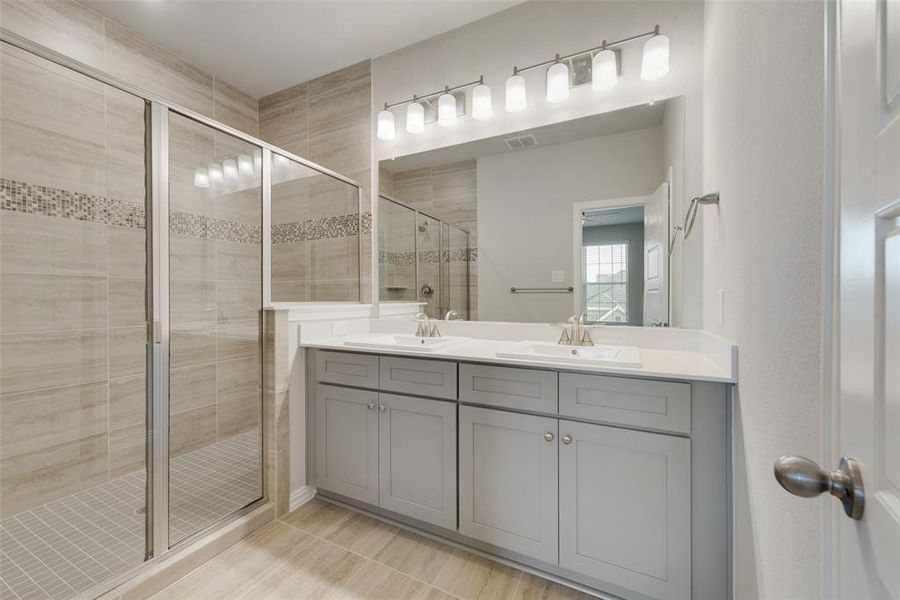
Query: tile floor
(66,546)
(324,551)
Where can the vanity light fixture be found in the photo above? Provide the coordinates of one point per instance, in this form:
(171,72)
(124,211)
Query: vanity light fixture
(655,62)
(558,82)
(245,164)
(215,173)
(385,128)
(516,94)
(446,109)
(482,106)
(229,168)
(604,69)
(201,178)
(415,117)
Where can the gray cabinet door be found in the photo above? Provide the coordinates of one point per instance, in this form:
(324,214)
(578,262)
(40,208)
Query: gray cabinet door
(422,377)
(347,442)
(625,508)
(508,387)
(508,481)
(347,368)
(418,458)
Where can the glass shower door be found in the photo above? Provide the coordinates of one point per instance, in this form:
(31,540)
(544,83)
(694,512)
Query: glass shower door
(215,301)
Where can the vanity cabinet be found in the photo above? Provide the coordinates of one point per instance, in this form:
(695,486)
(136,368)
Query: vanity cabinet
(508,481)
(625,508)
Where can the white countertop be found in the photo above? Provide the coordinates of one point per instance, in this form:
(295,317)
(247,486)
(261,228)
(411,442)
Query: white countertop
(689,355)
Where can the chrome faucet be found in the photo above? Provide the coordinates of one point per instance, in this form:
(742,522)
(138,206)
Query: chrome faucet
(575,332)
(451,314)
(426,327)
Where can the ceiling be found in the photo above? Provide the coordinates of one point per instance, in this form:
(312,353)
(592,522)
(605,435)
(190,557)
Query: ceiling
(262,46)
(633,118)
(613,216)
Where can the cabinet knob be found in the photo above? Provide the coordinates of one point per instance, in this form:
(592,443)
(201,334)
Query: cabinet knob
(371,406)
(382,407)
(548,437)
(566,439)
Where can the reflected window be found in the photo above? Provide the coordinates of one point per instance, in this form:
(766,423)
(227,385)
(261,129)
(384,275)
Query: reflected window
(605,290)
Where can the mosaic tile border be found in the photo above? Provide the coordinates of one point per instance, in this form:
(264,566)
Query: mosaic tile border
(337,226)
(428,256)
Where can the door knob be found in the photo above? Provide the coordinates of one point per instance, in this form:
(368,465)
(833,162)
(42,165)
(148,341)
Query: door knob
(803,477)
(548,437)
(566,439)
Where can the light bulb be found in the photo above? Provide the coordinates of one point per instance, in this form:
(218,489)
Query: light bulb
(215,173)
(481,102)
(201,178)
(655,63)
(558,82)
(257,159)
(385,129)
(229,168)
(446,110)
(516,98)
(415,118)
(245,164)
(604,71)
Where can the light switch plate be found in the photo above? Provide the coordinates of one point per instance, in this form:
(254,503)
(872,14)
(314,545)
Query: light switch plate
(557,276)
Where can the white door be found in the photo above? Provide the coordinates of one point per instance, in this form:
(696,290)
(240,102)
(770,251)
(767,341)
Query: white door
(656,257)
(868,153)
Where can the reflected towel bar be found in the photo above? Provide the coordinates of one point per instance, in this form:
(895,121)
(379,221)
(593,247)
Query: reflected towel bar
(538,290)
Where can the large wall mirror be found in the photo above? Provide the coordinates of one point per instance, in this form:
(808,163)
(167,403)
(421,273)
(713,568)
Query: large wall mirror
(538,225)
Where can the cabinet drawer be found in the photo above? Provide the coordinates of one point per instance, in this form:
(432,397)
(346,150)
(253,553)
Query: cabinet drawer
(523,389)
(345,368)
(436,378)
(662,405)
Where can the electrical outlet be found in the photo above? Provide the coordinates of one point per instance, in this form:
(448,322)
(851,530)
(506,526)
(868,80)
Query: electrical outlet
(721,308)
(340,328)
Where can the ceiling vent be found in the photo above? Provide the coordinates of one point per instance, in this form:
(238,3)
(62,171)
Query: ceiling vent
(521,142)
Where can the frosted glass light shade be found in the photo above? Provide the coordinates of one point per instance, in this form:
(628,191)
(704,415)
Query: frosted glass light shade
(446,110)
(415,118)
(604,71)
(655,63)
(229,168)
(516,97)
(215,172)
(482,107)
(385,128)
(558,83)
(245,164)
(201,178)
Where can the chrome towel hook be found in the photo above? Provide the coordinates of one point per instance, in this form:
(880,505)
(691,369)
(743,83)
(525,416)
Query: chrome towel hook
(690,217)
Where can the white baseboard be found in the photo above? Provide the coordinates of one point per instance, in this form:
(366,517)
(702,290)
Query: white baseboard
(301,496)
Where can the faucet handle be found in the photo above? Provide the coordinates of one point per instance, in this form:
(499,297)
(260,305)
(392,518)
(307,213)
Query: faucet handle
(564,338)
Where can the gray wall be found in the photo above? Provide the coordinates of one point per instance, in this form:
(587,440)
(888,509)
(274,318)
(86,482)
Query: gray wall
(633,233)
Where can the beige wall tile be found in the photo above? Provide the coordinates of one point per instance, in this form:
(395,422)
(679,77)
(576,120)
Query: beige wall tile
(127,401)
(35,420)
(128,450)
(334,258)
(282,119)
(238,300)
(64,26)
(51,302)
(191,258)
(235,108)
(238,262)
(127,351)
(289,261)
(31,479)
(135,60)
(125,160)
(239,379)
(192,430)
(340,107)
(39,244)
(290,291)
(348,76)
(244,206)
(191,145)
(191,388)
(237,339)
(31,361)
(126,251)
(337,290)
(127,301)
(343,150)
(192,301)
(238,416)
(192,344)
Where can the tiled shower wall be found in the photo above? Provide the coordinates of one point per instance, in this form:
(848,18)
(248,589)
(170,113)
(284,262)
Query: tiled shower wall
(328,121)
(72,265)
(447,192)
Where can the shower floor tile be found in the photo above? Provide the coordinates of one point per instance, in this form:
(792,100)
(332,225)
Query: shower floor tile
(64,547)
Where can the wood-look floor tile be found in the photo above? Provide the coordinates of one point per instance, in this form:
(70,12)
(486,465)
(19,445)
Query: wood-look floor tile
(362,535)
(317,517)
(414,555)
(436,594)
(475,578)
(532,587)
(377,582)
(242,566)
(318,571)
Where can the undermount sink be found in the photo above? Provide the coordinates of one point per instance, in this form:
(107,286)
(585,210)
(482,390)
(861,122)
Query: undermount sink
(626,356)
(407,342)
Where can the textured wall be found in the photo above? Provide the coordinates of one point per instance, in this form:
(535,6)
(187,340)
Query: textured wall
(763,151)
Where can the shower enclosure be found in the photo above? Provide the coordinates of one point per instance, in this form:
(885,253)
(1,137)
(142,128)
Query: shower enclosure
(422,259)
(135,262)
